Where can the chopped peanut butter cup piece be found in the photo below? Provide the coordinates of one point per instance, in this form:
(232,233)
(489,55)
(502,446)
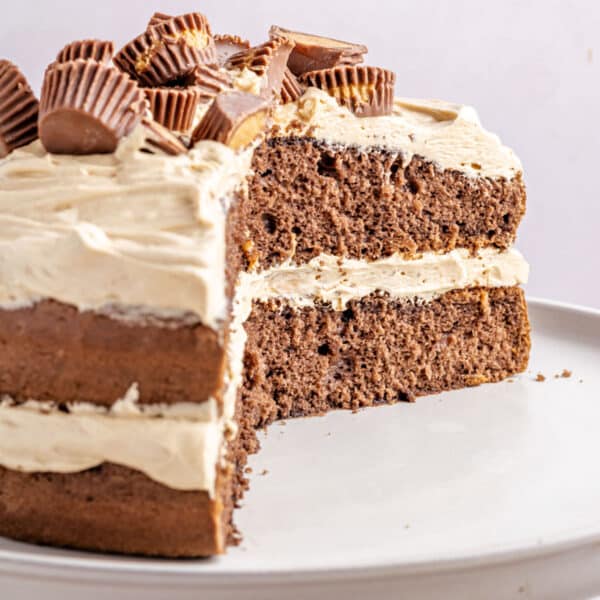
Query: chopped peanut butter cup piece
(98,50)
(137,57)
(191,31)
(169,51)
(228,45)
(159,140)
(314,52)
(209,82)
(18,110)
(366,91)
(87,107)
(291,89)
(157,18)
(235,119)
(174,108)
(268,61)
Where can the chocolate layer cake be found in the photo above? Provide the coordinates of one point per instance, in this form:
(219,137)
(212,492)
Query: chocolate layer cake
(209,236)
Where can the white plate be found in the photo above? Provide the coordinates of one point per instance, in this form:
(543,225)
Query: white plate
(490,492)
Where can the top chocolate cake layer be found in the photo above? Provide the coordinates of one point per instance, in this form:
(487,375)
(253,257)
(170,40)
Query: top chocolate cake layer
(309,198)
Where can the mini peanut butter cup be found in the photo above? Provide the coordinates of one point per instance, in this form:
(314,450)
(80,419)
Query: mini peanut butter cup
(87,107)
(168,51)
(18,110)
(157,18)
(227,45)
(291,89)
(314,52)
(173,108)
(159,140)
(98,50)
(209,82)
(269,61)
(366,91)
(235,119)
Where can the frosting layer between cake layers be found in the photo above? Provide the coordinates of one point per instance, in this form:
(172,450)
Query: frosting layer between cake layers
(181,453)
(145,235)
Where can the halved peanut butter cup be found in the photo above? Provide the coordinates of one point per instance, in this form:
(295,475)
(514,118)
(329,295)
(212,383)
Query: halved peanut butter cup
(87,107)
(18,110)
(168,51)
(235,119)
(291,89)
(157,18)
(366,91)
(315,52)
(269,61)
(159,140)
(209,82)
(190,31)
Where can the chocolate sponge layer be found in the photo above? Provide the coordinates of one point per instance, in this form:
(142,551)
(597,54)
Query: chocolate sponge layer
(53,352)
(111,509)
(307,198)
(312,359)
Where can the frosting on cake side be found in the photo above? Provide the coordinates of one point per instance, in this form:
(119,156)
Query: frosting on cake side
(131,229)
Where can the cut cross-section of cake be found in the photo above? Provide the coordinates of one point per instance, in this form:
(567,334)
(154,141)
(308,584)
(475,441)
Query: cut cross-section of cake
(286,255)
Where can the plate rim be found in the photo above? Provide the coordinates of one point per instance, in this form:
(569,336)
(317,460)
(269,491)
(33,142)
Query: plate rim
(98,567)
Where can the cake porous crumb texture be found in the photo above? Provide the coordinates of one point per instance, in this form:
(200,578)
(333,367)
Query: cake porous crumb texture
(379,351)
(112,509)
(298,362)
(308,198)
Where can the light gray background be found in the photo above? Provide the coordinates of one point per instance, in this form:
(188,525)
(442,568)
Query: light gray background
(531,68)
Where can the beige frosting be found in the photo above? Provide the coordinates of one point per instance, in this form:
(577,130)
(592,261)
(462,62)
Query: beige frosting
(128,229)
(181,453)
(449,135)
(330,279)
(245,80)
(129,407)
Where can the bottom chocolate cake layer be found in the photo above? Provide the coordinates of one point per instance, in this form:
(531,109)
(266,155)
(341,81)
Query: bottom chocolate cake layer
(306,361)
(112,509)
(298,362)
